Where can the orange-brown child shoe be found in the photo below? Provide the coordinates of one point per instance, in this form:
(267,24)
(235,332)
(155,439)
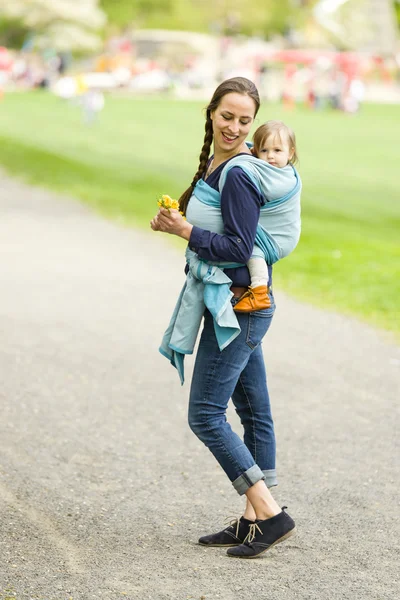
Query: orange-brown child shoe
(256,298)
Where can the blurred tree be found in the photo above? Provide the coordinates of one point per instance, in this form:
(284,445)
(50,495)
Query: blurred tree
(60,24)
(368,25)
(127,12)
(13,31)
(251,17)
(397,9)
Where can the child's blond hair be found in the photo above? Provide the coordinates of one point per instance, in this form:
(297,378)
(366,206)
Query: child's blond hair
(278,129)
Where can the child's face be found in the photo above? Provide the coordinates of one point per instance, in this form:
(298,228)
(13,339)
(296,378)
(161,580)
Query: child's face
(275,150)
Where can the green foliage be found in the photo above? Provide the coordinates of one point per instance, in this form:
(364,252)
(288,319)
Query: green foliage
(69,25)
(13,32)
(397,10)
(263,17)
(349,255)
(134,12)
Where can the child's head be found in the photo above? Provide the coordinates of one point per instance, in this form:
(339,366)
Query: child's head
(275,143)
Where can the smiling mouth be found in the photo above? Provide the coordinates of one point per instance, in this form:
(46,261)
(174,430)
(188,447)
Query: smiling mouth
(229,139)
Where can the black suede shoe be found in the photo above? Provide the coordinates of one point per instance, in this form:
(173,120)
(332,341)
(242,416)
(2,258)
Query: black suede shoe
(233,535)
(263,535)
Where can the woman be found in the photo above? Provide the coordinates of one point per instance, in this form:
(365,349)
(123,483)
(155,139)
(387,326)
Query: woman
(238,371)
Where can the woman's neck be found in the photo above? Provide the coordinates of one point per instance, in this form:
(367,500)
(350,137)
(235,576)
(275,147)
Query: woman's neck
(221,157)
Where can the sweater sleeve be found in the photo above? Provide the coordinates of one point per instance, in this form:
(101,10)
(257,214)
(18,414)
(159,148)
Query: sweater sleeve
(240,209)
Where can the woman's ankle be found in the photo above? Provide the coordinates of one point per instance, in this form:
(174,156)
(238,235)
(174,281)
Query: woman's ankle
(260,499)
(264,514)
(249,515)
(267,508)
(249,512)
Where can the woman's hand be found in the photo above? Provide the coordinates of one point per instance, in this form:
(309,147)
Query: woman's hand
(171,221)
(154,223)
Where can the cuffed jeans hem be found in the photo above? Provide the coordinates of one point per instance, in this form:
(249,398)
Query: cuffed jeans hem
(247,479)
(270,478)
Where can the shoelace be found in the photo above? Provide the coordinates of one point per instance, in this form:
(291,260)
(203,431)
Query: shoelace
(252,530)
(252,533)
(248,293)
(233,522)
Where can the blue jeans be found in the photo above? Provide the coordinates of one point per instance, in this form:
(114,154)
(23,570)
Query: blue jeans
(238,372)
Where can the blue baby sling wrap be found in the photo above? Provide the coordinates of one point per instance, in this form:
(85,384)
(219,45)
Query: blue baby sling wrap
(207,285)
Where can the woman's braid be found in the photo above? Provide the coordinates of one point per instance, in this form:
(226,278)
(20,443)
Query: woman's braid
(203,158)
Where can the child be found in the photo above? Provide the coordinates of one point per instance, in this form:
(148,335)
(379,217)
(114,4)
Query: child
(274,143)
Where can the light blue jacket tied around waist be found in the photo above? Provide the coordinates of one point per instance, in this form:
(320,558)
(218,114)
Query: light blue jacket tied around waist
(207,285)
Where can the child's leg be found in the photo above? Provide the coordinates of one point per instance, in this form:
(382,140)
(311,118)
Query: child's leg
(256,297)
(258,271)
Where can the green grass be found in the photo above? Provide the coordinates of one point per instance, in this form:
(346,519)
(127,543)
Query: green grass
(348,258)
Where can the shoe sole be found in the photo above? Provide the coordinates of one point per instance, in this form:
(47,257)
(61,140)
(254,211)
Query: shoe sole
(249,310)
(218,545)
(282,539)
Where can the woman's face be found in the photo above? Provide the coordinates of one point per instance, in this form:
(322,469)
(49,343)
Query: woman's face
(232,121)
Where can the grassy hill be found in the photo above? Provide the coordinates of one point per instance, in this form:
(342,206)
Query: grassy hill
(348,258)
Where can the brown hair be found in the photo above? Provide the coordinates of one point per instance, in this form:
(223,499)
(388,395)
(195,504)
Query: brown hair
(238,85)
(275,128)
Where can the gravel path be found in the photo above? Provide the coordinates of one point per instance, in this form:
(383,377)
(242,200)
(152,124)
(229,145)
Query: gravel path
(104,490)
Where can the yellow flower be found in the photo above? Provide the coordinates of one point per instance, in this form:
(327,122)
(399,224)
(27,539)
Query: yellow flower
(167,202)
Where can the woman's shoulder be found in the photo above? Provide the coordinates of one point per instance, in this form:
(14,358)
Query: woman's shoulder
(231,173)
(237,175)
(238,183)
(213,179)
(236,170)
(233,167)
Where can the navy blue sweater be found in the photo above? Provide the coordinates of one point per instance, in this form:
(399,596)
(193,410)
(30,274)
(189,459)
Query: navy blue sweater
(240,208)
